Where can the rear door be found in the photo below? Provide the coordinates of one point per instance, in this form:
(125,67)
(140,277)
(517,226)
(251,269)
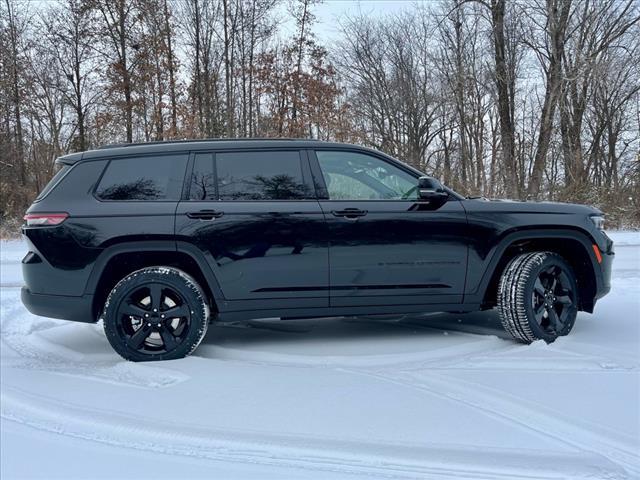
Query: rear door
(137,198)
(386,247)
(255,216)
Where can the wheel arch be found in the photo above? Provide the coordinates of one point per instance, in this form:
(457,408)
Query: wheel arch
(574,245)
(118,260)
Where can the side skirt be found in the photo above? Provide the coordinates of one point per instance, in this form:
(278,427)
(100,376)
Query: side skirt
(300,313)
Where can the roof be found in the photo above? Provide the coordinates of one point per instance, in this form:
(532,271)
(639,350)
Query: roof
(207,140)
(168,146)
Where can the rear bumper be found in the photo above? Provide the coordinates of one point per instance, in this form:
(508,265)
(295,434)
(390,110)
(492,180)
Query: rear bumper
(77,309)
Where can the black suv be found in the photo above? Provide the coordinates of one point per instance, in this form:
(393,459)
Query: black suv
(159,239)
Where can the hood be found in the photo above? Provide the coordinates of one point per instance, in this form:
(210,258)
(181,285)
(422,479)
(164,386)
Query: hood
(532,206)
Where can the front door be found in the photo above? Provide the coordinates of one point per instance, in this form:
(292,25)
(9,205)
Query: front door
(386,247)
(255,216)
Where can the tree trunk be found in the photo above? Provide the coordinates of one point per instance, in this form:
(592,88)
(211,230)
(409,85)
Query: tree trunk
(558,16)
(126,75)
(198,68)
(82,141)
(460,101)
(228,69)
(172,66)
(505,106)
(17,99)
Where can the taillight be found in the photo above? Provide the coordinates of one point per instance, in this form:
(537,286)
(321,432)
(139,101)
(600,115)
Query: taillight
(45,219)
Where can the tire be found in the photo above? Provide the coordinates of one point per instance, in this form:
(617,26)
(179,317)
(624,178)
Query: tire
(538,297)
(156,313)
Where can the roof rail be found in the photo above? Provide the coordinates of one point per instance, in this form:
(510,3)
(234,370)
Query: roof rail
(199,140)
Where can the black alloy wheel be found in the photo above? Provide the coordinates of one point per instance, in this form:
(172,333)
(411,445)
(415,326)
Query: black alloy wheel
(156,313)
(153,318)
(553,299)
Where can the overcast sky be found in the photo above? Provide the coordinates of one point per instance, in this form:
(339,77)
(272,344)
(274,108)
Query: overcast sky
(329,13)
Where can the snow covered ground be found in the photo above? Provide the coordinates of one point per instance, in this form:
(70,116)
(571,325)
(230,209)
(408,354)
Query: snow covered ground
(437,396)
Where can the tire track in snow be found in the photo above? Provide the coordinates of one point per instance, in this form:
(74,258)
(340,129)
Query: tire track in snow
(22,333)
(370,459)
(482,355)
(554,360)
(396,360)
(116,372)
(501,405)
(484,352)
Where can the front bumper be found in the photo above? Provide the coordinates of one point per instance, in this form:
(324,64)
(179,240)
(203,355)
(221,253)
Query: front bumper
(77,309)
(604,285)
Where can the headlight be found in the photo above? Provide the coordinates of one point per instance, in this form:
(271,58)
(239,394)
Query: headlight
(598,221)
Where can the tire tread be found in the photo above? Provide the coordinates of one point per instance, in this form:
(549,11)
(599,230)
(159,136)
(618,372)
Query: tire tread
(512,291)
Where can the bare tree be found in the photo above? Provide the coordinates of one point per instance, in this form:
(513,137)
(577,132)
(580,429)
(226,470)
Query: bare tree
(69,29)
(505,66)
(172,64)
(13,28)
(119,20)
(256,26)
(598,26)
(536,98)
(229,23)
(200,19)
(304,18)
(555,32)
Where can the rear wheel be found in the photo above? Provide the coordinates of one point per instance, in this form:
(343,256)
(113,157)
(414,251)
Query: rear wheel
(156,313)
(538,297)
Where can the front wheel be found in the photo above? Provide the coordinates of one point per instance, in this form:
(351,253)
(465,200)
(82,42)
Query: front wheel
(538,297)
(156,313)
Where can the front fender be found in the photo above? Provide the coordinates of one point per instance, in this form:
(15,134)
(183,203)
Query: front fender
(483,262)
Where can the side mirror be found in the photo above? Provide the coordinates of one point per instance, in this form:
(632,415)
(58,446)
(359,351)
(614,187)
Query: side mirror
(431,191)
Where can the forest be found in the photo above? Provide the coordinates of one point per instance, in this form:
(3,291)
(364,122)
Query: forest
(519,99)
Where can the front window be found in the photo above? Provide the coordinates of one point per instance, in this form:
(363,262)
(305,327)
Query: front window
(358,176)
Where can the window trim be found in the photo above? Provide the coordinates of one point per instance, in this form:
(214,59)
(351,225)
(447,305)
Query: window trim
(94,189)
(186,181)
(188,177)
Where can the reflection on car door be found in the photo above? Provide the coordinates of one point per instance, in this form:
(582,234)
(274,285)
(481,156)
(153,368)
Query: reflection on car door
(255,216)
(385,248)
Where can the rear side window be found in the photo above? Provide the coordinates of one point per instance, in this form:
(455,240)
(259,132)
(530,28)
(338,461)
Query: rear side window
(143,178)
(53,182)
(268,175)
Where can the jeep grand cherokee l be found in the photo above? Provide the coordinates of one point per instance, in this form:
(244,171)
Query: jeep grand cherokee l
(160,239)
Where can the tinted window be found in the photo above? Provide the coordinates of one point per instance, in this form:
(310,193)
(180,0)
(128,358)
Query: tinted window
(203,185)
(143,178)
(53,182)
(260,176)
(357,176)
